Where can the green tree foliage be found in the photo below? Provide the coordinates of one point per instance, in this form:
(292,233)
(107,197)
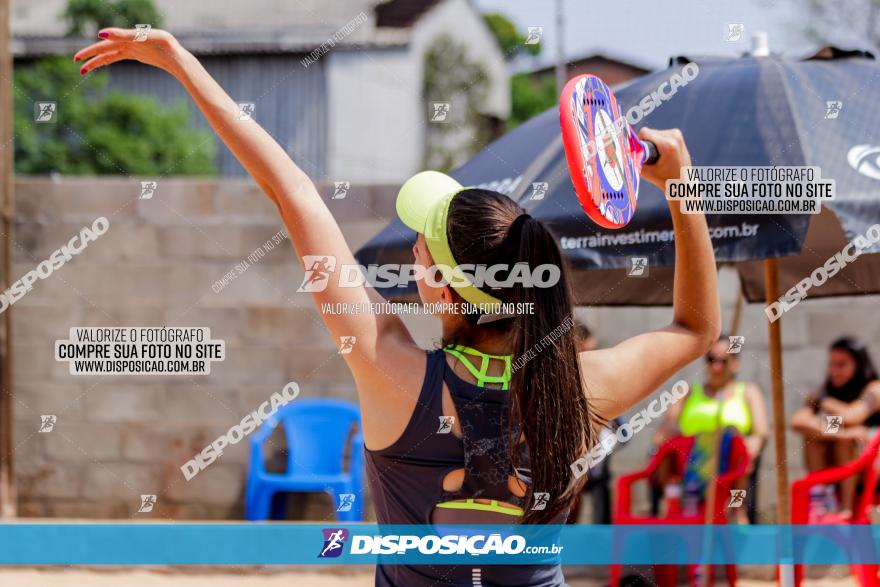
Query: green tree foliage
(512,42)
(98,132)
(530,95)
(450,76)
(85,17)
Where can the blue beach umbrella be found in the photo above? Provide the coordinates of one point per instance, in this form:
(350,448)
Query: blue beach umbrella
(755,111)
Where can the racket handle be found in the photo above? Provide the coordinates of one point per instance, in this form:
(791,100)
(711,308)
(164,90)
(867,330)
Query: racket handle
(651,152)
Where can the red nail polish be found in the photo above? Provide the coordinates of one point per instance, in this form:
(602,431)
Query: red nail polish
(82,71)
(103,35)
(76,58)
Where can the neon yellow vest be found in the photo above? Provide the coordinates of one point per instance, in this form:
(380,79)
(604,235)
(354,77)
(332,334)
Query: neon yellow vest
(700,413)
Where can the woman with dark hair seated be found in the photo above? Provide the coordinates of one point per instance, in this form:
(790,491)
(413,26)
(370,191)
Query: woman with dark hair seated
(835,419)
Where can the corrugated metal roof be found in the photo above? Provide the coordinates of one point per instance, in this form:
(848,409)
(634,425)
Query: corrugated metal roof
(256,26)
(238,42)
(536,64)
(401,13)
(290,101)
(43,17)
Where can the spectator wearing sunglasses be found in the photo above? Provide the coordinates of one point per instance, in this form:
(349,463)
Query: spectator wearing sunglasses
(722,401)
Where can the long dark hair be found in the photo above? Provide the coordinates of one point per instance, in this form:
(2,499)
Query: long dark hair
(865,370)
(548,402)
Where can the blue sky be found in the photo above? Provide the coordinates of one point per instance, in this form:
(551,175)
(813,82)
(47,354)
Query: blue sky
(649,32)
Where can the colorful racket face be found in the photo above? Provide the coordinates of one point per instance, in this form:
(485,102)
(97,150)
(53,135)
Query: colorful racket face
(604,155)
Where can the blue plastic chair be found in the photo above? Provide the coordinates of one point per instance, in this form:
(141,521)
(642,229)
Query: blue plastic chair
(316,431)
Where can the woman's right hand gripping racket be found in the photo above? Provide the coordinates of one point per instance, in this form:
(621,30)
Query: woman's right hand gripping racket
(605,157)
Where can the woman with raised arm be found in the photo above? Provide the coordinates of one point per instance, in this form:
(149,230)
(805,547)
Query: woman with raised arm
(521,402)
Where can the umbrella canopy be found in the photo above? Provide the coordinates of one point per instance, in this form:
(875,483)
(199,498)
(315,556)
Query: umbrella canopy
(758,111)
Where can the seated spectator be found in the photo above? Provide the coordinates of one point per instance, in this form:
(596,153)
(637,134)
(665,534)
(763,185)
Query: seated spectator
(722,401)
(835,419)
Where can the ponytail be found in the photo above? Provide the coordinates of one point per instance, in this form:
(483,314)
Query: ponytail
(549,401)
(549,407)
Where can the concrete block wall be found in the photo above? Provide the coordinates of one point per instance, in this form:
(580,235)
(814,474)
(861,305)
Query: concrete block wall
(118,437)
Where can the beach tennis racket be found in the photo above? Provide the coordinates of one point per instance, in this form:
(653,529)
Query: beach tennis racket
(604,155)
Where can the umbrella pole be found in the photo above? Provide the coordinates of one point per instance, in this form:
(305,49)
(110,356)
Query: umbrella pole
(737,313)
(771,289)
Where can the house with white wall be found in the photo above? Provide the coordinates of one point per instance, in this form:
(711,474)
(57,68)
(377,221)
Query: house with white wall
(338,83)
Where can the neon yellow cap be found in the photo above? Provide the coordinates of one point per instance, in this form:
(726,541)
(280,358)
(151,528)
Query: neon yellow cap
(423,205)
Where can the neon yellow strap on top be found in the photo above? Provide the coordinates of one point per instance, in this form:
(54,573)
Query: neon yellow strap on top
(481,375)
(459,351)
(492,506)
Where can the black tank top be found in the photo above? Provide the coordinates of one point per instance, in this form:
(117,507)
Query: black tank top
(406,479)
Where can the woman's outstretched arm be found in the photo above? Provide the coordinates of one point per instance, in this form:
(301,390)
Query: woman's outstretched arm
(618,378)
(312,228)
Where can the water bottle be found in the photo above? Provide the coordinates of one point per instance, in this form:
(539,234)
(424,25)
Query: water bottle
(691,500)
(672,491)
(818,503)
(831,504)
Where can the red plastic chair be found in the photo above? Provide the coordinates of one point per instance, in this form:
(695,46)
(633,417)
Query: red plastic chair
(678,450)
(866,466)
